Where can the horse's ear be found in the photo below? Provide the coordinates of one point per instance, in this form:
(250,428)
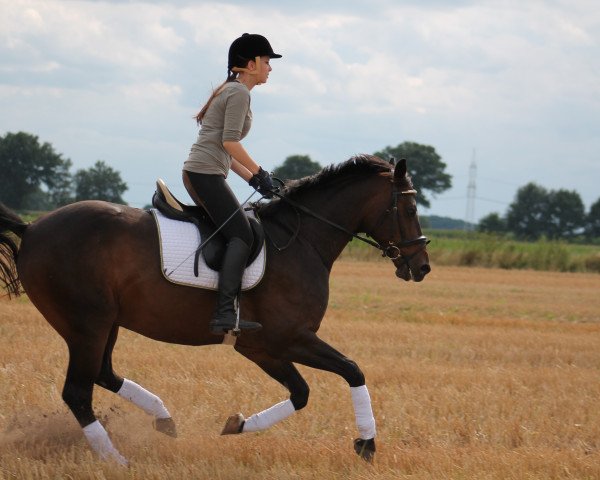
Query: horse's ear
(392,161)
(400,170)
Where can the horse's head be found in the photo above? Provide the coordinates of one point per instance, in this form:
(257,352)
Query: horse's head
(398,231)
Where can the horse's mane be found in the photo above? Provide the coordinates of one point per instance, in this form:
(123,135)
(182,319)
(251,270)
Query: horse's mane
(357,166)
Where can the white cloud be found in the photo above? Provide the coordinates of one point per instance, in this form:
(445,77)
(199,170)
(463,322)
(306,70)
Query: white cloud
(77,34)
(517,80)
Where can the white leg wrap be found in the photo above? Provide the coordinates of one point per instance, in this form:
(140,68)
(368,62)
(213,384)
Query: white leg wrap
(269,417)
(101,444)
(144,399)
(365,421)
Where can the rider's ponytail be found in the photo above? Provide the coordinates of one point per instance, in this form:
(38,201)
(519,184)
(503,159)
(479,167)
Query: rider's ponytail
(231,76)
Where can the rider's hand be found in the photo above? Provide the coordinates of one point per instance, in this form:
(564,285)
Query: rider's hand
(262,182)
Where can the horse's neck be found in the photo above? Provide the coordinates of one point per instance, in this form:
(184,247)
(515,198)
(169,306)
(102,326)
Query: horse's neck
(345,208)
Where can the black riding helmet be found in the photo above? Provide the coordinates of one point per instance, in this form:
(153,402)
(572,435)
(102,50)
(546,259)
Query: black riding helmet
(248,47)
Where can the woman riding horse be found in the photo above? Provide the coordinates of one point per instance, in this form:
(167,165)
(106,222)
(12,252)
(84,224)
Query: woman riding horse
(225,120)
(92,268)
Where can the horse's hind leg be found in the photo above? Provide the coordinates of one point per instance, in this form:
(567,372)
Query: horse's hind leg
(286,374)
(131,391)
(85,357)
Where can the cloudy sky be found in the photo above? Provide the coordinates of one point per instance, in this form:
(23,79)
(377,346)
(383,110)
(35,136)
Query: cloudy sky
(513,84)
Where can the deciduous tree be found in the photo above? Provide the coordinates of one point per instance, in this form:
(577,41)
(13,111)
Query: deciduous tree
(492,223)
(527,214)
(426,168)
(592,221)
(32,175)
(537,212)
(565,215)
(99,182)
(296,166)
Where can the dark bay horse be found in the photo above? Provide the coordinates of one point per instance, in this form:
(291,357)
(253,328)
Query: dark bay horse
(92,267)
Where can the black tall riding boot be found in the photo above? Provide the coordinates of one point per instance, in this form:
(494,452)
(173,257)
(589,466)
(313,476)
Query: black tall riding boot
(230,280)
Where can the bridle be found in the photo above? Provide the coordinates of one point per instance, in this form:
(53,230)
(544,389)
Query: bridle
(392,250)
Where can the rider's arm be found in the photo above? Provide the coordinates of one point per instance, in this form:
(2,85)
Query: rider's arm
(242,171)
(242,163)
(235,116)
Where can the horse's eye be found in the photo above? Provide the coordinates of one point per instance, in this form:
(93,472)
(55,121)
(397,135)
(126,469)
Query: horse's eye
(412,211)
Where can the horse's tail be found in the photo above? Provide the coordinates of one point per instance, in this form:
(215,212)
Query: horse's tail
(12,229)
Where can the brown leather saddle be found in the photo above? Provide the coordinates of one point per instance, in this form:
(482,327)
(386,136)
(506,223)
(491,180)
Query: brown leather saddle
(166,203)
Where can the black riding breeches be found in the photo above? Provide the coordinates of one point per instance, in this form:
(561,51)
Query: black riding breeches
(213,193)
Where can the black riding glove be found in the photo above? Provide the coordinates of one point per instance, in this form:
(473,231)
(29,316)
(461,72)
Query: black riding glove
(262,182)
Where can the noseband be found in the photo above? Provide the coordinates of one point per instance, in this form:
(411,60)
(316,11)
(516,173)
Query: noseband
(392,250)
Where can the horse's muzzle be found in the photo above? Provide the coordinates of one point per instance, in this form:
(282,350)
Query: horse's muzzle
(406,273)
(420,275)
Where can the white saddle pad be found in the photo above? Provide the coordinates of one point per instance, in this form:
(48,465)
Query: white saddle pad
(178,244)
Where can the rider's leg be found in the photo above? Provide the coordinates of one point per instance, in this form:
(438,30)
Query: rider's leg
(230,277)
(213,193)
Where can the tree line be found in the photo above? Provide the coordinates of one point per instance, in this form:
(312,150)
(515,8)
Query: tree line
(36,177)
(537,212)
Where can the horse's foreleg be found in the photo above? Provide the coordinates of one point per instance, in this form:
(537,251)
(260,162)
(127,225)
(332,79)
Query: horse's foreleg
(132,392)
(365,422)
(286,374)
(151,404)
(314,352)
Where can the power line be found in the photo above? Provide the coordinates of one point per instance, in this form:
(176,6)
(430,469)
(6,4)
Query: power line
(463,197)
(502,182)
(451,198)
(492,200)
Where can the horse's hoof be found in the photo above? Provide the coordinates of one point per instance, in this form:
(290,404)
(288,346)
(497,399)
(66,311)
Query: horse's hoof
(365,449)
(166,426)
(234,424)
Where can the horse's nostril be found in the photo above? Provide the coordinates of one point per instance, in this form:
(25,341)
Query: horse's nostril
(425,269)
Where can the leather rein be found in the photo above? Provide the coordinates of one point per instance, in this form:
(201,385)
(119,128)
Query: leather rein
(393,250)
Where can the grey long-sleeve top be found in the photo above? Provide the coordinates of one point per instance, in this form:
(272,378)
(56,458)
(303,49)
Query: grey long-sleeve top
(228,118)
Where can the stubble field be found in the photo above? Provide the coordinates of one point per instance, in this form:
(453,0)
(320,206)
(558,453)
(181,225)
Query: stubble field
(474,373)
